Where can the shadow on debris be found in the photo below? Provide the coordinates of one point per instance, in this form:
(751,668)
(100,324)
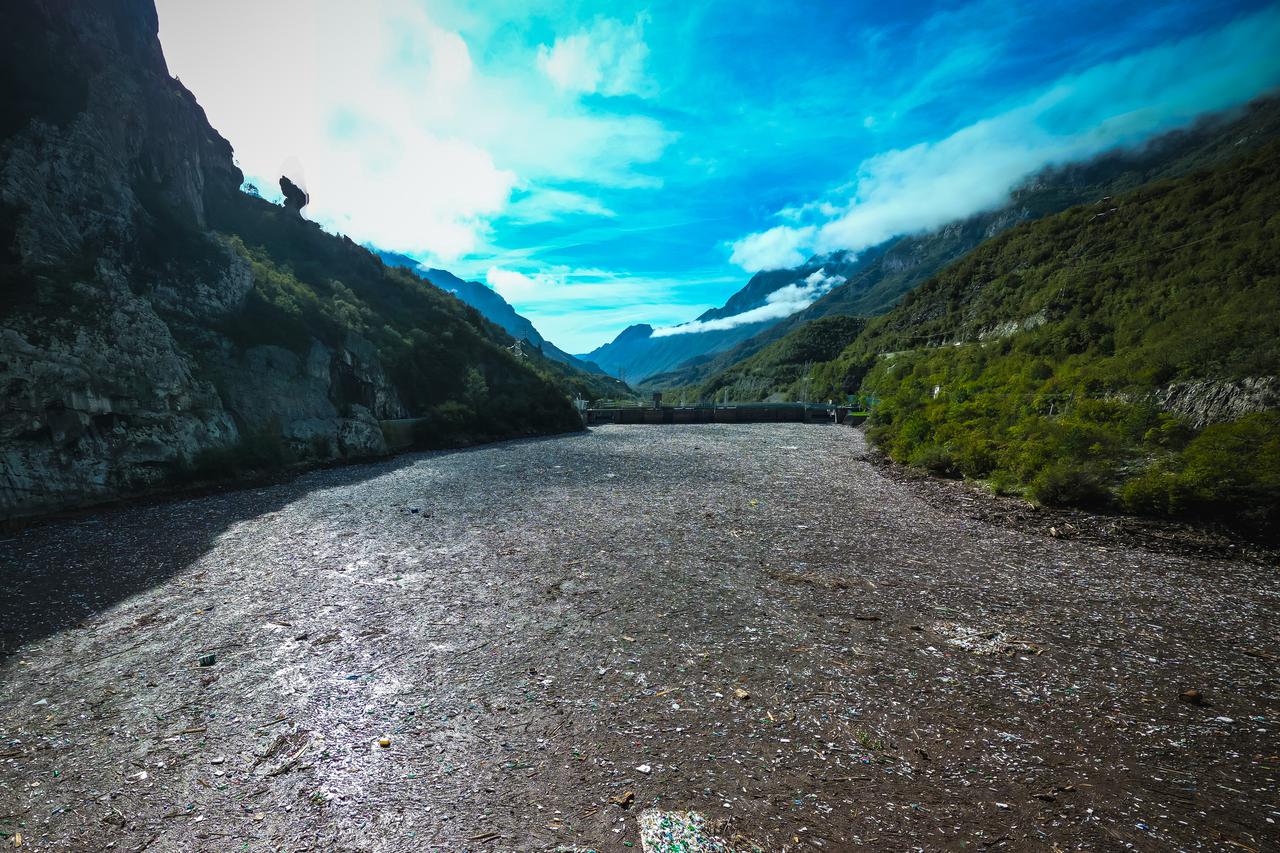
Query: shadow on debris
(58,573)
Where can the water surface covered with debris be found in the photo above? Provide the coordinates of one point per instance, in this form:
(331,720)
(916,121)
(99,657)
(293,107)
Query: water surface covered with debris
(528,646)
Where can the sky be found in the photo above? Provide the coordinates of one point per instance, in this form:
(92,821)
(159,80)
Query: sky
(603,164)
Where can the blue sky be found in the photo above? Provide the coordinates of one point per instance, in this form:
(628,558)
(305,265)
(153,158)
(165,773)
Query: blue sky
(601,164)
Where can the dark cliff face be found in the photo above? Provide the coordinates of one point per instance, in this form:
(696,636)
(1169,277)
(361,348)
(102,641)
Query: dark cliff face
(96,133)
(153,316)
(105,167)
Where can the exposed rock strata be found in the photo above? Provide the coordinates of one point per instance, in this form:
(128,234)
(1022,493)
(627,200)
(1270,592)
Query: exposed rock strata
(1208,401)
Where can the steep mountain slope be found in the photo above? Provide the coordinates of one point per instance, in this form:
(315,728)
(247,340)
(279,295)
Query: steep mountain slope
(493,308)
(156,322)
(1122,352)
(879,278)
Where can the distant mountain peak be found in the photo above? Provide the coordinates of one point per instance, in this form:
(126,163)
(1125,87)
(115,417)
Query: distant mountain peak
(639,330)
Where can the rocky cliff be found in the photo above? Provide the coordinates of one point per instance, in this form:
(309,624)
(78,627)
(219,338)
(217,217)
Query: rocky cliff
(1209,401)
(154,317)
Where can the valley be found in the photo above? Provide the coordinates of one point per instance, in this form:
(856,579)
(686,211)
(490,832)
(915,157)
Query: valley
(899,469)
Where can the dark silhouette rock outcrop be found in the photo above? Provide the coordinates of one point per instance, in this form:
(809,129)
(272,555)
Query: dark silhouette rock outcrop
(295,197)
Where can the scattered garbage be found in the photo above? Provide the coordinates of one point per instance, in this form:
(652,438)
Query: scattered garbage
(984,641)
(625,799)
(677,832)
(1192,697)
(208,660)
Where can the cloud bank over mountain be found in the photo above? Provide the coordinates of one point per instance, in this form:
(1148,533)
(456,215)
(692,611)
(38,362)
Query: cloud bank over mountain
(783,302)
(1122,102)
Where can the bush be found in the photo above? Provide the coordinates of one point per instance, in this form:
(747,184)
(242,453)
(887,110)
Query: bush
(1002,482)
(935,459)
(1155,492)
(1068,484)
(1229,472)
(976,457)
(1237,462)
(445,425)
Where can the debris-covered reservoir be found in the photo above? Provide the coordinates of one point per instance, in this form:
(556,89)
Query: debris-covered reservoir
(527,646)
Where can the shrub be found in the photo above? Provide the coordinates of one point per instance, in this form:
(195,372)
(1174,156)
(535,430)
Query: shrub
(976,457)
(1068,484)
(1156,491)
(935,459)
(257,450)
(446,424)
(1002,482)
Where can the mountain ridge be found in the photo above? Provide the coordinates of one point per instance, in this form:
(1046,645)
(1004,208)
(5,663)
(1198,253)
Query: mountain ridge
(492,306)
(637,354)
(884,274)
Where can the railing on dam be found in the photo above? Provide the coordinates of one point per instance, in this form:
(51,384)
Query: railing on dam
(738,413)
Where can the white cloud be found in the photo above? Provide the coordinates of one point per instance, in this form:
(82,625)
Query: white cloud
(1113,104)
(515,286)
(565,288)
(407,142)
(607,58)
(547,204)
(782,302)
(579,309)
(776,249)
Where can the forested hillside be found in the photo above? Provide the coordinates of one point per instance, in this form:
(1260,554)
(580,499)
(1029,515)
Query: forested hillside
(446,361)
(784,367)
(880,277)
(1122,353)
